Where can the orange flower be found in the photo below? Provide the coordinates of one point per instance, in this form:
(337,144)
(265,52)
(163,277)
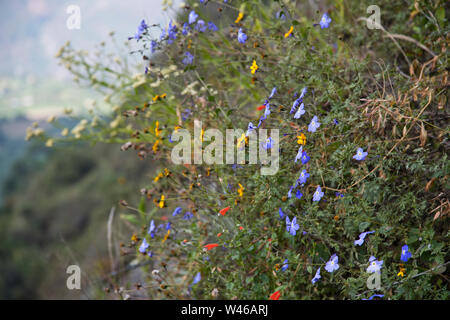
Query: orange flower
(219,234)
(224,210)
(211,246)
(275,295)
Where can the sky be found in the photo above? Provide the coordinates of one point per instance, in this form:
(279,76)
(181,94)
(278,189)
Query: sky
(32,31)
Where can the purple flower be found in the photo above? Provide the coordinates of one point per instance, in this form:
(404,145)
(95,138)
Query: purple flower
(335,122)
(268,144)
(318,194)
(332,264)
(151,229)
(274,90)
(144,246)
(298,194)
(314,124)
(141,28)
(316,277)
(153,45)
(172,31)
(405,253)
(292,226)
(290,192)
(197,278)
(192,17)
(362,236)
(188,58)
(185,29)
(201,26)
(168,225)
(242,37)
(177,211)
(360,154)
(250,128)
(375,295)
(303,176)
(299,153)
(281,213)
(285,265)
(267,111)
(305,157)
(188,215)
(212,26)
(301,111)
(185,114)
(325,21)
(374,265)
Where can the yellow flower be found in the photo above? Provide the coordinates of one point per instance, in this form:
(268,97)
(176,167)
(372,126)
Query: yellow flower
(166,172)
(161,202)
(241,140)
(240,190)
(166,236)
(177,128)
(287,34)
(201,134)
(155,146)
(159,176)
(239,18)
(254,67)
(134,238)
(189,44)
(157,131)
(156,98)
(301,139)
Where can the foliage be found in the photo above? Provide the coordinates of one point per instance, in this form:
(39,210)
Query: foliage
(384,90)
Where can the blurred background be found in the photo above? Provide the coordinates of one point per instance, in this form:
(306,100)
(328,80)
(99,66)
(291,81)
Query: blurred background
(55,202)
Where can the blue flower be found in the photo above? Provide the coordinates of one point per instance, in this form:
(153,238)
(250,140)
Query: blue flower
(298,194)
(152,228)
(172,30)
(250,128)
(325,21)
(303,176)
(153,45)
(294,106)
(301,111)
(268,144)
(332,264)
(185,114)
(274,90)
(375,295)
(201,26)
(405,253)
(168,225)
(242,37)
(292,226)
(316,277)
(318,194)
(144,246)
(338,194)
(285,265)
(188,215)
(374,265)
(305,158)
(362,236)
(314,124)
(360,154)
(304,90)
(188,58)
(197,278)
(141,28)
(281,213)
(192,17)
(185,29)
(335,122)
(280,15)
(290,192)
(177,211)
(299,153)
(267,110)
(212,26)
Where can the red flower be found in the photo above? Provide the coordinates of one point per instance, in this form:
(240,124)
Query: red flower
(211,246)
(224,210)
(241,228)
(275,295)
(260,107)
(219,234)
